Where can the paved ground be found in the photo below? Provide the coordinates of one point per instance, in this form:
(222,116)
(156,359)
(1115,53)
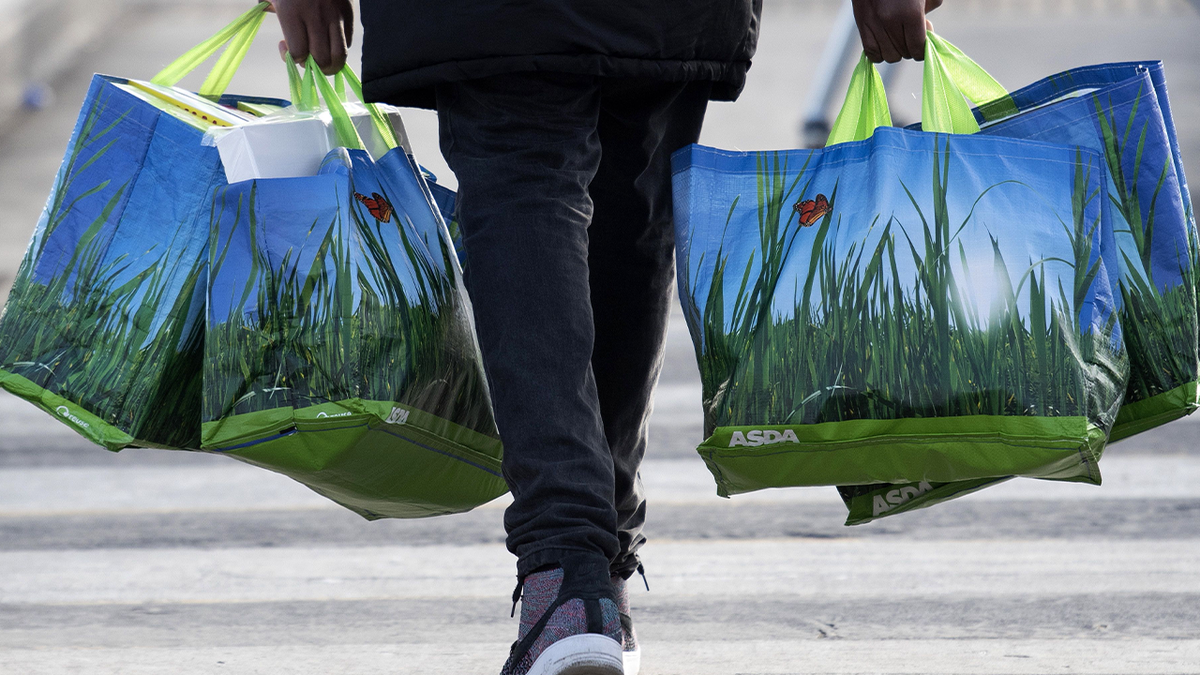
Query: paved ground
(154,562)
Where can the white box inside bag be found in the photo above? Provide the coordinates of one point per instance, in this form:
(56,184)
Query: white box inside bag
(291,144)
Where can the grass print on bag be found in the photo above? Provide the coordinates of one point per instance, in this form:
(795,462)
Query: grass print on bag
(870,312)
(1122,111)
(873,344)
(103,325)
(340,348)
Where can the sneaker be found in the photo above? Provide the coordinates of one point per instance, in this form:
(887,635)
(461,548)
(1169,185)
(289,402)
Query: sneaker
(563,635)
(631,653)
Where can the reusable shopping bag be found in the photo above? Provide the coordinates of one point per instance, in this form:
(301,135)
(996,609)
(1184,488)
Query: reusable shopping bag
(339,344)
(903,306)
(1122,111)
(103,325)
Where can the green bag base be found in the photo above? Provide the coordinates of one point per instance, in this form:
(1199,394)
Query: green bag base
(1134,418)
(71,414)
(936,450)
(349,452)
(378,459)
(867,503)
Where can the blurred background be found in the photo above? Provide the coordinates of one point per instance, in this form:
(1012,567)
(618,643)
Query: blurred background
(151,562)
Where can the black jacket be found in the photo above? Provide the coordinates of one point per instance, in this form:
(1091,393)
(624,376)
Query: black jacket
(411,45)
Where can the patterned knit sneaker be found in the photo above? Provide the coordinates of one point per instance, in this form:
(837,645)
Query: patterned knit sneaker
(565,635)
(631,653)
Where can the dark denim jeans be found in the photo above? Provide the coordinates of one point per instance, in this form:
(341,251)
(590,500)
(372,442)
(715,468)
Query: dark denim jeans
(564,201)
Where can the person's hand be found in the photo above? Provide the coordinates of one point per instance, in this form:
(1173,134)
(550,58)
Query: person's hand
(893,29)
(323,28)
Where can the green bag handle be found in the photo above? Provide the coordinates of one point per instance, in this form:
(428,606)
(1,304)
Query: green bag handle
(295,83)
(347,135)
(308,90)
(239,35)
(382,125)
(971,79)
(305,92)
(949,76)
(310,98)
(866,106)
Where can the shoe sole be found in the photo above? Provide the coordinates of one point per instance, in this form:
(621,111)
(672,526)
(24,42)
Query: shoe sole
(588,654)
(633,661)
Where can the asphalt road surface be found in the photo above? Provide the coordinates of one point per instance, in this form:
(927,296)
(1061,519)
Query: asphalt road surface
(151,562)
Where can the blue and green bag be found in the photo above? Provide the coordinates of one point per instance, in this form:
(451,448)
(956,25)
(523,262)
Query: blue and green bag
(901,306)
(339,344)
(103,326)
(1120,110)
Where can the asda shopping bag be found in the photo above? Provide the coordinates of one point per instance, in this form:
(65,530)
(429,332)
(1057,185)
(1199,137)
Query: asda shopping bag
(339,345)
(1122,111)
(103,325)
(912,306)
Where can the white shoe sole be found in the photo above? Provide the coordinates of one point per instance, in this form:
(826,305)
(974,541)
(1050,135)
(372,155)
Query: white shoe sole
(633,661)
(588,654)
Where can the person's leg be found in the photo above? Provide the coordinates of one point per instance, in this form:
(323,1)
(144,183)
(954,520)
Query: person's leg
(631,262)
(524,148)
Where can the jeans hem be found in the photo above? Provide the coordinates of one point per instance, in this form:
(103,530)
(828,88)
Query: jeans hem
(625,567)
(554,556)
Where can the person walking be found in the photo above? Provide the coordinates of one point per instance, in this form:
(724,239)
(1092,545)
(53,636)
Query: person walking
(559,119)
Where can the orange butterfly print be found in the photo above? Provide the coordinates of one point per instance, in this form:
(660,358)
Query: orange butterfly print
(811,210)
(379,207)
